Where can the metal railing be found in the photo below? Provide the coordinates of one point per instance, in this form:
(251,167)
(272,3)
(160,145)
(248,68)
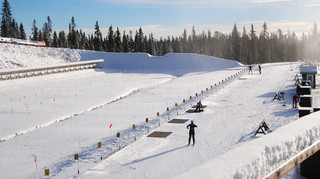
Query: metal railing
(38,71)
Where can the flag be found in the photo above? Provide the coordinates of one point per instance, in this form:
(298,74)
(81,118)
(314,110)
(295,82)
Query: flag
(110,126)
(35,158)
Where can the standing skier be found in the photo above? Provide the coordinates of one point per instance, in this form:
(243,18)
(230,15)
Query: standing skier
(295,100)
(191,131)
(259,69)
(250,69)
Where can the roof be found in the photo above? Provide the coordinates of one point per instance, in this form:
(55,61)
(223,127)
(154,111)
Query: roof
(308,70)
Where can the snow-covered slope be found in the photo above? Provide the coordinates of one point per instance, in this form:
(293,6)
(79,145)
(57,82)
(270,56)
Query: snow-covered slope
(20,56)
(173,63)
(57,116)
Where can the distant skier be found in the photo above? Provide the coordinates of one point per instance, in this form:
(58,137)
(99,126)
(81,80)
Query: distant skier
(199,106)
(297,79)
(191,131)
(259,69)
(250,69)
(295,100)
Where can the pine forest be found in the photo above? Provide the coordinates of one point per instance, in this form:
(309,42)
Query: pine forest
(244,45)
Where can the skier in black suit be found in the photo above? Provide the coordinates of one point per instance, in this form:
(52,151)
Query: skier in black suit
(191,132)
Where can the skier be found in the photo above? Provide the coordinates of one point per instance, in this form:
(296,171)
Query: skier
(259,69)
(199,105)
(191,132)
(297,79)
(295,100)
(250,69)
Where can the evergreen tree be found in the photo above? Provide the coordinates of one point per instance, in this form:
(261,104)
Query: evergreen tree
(281,47)
(210,43)
(235,38)
(150,45)
(264,49)
(253,46)
(174,45)
(273,46)
(14,29)
(35,33)
(55,39)
(105,44)
(314,40)
(139,40)
(111,46)
(125,42)
(47,30)
(185,41)
(168,45)
(136,42)
(163,47)
(302,46)
(83,40)
(40,36)
(62,40)
(217,44)
(292,47)
(190,45)
(131,42)
(117,39)
(226,47)
(73,39)
(315,32)
(22,32)
(97,38)
(91,42)
(203,44)
(145,41)
(192,41)
(6,19)
(245,51)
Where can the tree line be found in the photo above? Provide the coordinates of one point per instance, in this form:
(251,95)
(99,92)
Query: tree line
(248,46)
(9,26)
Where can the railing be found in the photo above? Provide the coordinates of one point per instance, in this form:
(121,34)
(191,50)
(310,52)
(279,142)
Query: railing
(29,72)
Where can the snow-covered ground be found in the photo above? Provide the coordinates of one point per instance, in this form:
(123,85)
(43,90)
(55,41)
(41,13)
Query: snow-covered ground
(51,118)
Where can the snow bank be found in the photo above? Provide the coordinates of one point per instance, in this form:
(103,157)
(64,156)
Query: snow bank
(177,63)
(264,154)
(20,56)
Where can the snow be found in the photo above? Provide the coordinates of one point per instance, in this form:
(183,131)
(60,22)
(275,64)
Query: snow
(17,56)
(57,116)
(308,69)
(273,149)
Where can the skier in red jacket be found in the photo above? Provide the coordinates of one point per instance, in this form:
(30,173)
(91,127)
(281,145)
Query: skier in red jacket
(295,100)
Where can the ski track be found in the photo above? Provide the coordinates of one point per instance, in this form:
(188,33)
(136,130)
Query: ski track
(116,167)
(62,165)
(111,145)
(67,117)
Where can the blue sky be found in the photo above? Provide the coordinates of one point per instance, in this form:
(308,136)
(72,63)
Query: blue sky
(169,17)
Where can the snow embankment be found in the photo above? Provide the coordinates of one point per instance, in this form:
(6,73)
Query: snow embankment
(20,56)
(177,63)
(264,154)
